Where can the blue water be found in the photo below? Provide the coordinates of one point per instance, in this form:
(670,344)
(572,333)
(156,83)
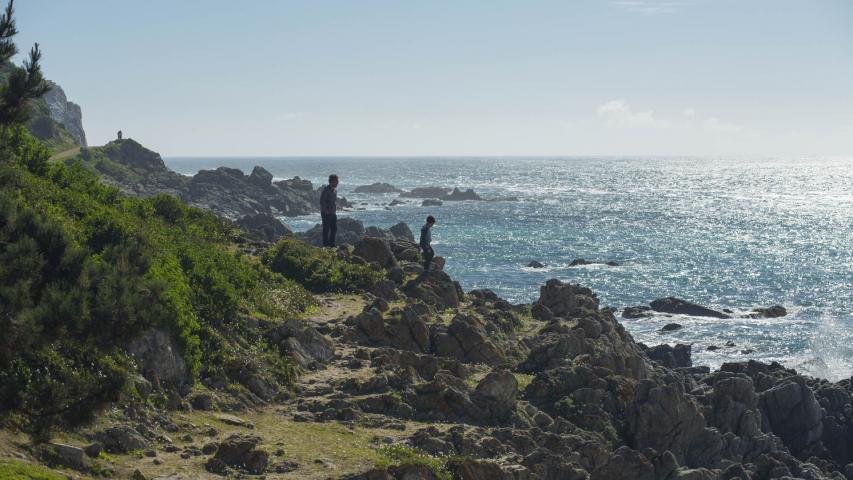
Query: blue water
(727,233)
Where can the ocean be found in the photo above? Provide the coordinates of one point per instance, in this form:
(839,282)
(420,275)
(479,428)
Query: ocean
(722,232)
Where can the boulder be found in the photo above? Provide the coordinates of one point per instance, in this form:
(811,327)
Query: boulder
(375,250)
(238,450)
(496,394)
(402,231)
(791,411)
(567,300)
(683,307)
(64,455)
(435,288)
(121,439)
(265,226)
(535,264)
(432,202)
(378,187)
(350,231)
(671,327)
(159,357)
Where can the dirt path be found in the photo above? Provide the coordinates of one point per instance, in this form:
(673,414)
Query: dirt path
(64,154)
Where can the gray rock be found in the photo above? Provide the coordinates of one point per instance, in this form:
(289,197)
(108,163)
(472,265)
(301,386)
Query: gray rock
(425,192)
(677,357)
(159,357)
(432,202)
(65,113)
(302,343)
(435,288)
(640,311)
(535,264)
(376,250)
(265,226)
(402,232)
(121,439)
(567,300)
(459,195)
(770,312)
(683,307)
(791,411)
(671,327)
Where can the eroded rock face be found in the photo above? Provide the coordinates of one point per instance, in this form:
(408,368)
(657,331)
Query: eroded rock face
(303,343)
(159,357)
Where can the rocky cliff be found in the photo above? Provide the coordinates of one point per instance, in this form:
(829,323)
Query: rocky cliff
(66,113)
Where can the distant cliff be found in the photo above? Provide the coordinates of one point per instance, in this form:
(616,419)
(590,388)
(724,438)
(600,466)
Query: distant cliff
(53,119)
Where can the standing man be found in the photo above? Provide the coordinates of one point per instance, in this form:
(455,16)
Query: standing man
(328,211)
(426,239)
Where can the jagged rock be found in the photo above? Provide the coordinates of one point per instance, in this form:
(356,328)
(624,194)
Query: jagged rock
(405,251)
(678,357)
(535,264)
(159,356)
(791,411)
(432,202)
(438,263)
(466,340)
(683,307)
(378,187)
(406,330)
(459,195)
(396,202)
(567,300)
(640,311)
(402,232)
(385,289)
(541,312)
(65,113)
(121,439)
(375,250)
(435,288)
(265,226)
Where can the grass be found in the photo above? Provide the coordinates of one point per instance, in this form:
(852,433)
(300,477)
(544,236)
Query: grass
(393,455)
(523,380)
(15,470)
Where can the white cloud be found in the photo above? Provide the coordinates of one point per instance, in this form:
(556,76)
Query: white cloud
(689,112)
(650,7)
(619,113)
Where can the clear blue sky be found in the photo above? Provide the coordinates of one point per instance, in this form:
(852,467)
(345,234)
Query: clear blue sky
(191,77)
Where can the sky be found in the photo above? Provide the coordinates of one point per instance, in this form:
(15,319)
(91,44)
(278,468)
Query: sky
(464,77)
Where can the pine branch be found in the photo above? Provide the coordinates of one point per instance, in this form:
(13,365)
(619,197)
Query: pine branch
(7,31)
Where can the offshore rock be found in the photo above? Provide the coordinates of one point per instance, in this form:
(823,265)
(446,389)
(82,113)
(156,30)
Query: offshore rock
(683,307)
(378,187)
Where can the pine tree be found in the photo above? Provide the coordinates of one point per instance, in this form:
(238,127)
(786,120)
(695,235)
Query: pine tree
(24,83)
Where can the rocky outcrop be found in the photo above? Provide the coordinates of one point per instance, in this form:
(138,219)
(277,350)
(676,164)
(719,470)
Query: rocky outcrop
(351,231)
(774,311)
(459,195)
(376,250)
(378,187)
(307,347)
(66,113)
(239,451)
(435,288)
(535,264)
(683,307)
(432,202)
(580,262)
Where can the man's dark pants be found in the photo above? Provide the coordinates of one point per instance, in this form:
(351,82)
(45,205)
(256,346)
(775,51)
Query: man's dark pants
(428,254)
(330,229)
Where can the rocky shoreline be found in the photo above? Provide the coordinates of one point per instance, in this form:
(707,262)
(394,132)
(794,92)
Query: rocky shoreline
(556,389)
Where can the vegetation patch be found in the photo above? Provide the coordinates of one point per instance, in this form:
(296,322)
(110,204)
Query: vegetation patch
(318,269)
(14,470)
(398,454)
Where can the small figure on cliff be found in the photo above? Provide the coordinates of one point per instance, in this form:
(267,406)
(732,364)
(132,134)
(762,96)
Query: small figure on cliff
(426,239)
(328,211)
(119,134)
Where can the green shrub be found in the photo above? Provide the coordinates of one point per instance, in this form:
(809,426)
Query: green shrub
(319,270)
(83,270)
